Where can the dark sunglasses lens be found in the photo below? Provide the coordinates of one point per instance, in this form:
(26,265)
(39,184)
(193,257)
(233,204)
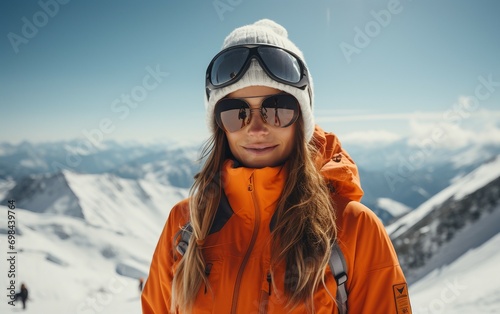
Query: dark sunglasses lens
(234,114)
(280,110)
(228,65)
(282,64)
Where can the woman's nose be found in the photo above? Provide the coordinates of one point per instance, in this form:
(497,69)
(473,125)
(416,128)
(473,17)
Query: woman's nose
(257,122)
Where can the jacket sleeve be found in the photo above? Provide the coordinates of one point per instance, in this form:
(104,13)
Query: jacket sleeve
(156,296)
(376,282)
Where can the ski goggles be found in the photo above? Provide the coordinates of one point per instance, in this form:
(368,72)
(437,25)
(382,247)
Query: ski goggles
(229,66)
(279,110)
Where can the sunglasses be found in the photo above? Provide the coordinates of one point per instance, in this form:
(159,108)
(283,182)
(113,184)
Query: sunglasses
(279,110)
(229,66)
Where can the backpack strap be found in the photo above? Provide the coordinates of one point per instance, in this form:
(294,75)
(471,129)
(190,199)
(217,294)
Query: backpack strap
(339,270)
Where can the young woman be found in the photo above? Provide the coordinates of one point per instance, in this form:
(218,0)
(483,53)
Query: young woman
(274,195)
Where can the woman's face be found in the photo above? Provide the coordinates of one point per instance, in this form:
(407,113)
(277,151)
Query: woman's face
(259,144)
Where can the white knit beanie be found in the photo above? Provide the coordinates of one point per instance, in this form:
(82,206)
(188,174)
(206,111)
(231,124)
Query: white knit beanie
(264,32)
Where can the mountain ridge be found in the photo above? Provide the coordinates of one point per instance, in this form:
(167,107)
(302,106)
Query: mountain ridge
(422,234)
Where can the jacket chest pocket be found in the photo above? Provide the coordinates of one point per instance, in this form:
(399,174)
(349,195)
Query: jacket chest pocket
(272,301)
(206,298)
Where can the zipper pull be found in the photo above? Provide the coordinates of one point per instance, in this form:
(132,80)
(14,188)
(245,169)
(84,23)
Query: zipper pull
(269,280)
(208,268)
(250,184)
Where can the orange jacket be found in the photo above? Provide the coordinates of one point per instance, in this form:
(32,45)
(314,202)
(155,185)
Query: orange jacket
(238,255)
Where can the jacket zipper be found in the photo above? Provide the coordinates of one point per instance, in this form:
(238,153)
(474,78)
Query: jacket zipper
(250,247)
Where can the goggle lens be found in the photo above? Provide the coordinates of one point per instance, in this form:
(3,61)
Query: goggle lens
(228,65)
(282,64)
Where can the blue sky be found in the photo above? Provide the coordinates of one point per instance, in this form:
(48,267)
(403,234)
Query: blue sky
(65,68)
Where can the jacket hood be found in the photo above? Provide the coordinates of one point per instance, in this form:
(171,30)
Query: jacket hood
(336,166)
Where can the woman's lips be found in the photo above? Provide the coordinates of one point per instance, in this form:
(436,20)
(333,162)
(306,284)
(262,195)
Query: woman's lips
(260,149)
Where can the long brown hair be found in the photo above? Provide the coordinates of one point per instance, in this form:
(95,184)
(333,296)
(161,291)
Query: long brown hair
(303,232)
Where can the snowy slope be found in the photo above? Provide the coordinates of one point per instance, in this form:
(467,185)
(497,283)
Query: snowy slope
(65,262)
(88,264)
(122,205)
(469,285)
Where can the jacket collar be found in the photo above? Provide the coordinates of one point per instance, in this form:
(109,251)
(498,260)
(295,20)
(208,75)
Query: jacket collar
(249,187)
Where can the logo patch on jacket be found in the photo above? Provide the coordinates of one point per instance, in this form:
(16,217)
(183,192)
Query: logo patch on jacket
(401,298)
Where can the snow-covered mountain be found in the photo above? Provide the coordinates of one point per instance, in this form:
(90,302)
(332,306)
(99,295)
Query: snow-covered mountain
(98,199)
(462,216)
(85,241)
